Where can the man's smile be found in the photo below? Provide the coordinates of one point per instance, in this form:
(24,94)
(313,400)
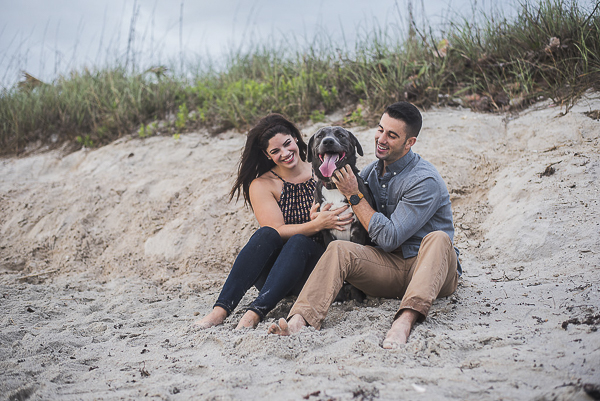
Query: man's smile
(382,148)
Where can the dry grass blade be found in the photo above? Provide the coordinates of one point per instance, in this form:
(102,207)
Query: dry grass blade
(30,82)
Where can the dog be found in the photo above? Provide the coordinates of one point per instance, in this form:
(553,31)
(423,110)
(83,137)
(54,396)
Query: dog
(329,149)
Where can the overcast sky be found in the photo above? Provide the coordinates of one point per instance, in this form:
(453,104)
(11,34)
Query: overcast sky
(51,37)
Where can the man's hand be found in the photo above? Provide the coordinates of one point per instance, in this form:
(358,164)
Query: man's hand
(345,180)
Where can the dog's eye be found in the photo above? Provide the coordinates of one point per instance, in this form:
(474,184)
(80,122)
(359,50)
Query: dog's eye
(339,135)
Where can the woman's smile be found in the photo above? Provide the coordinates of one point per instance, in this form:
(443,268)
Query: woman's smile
(288,159)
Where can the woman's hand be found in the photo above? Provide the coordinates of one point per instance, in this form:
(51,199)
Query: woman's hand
(331,219)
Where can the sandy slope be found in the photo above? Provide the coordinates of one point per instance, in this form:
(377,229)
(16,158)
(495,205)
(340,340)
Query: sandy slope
(107,256)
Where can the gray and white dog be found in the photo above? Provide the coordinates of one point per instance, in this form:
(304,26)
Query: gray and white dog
(330,149)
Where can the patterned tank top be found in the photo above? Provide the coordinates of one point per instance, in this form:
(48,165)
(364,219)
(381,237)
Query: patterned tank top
(296,200)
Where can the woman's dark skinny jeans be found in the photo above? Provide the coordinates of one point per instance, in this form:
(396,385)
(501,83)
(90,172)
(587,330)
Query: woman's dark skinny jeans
(276,268)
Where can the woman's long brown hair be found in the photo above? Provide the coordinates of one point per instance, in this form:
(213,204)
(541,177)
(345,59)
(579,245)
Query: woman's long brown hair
(254,162)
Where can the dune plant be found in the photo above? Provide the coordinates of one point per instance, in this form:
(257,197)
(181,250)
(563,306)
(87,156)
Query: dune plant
(94,106)
(550,49)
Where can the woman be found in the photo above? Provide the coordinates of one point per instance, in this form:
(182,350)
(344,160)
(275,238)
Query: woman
(277,183)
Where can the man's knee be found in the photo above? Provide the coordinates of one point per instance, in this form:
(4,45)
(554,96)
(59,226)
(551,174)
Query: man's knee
(338,254)
(439,243)
(437,237)
(341,248)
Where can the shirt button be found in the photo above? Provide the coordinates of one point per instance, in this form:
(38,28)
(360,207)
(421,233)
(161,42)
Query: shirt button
(394,173)
(383,185)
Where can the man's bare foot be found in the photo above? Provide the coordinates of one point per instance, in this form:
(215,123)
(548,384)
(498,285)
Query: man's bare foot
(249,321)
(214,318)
(398,334)
(285,328)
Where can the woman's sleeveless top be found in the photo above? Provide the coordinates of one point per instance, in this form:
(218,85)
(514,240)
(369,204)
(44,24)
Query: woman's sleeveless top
(295,203)
(296,200)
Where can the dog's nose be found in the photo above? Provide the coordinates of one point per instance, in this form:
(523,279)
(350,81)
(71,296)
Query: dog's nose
(328,141)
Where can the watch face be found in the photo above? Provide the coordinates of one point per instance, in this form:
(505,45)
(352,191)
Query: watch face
(354,200)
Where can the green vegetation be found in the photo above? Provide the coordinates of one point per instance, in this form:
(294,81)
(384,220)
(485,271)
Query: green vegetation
(550,50)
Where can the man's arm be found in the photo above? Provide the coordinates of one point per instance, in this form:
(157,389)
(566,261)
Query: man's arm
(414,208)
(347,184)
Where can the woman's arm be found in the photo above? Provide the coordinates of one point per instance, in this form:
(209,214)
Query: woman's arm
(268,213)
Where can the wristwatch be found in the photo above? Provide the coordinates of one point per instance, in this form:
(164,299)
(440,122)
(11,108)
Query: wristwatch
(355,199)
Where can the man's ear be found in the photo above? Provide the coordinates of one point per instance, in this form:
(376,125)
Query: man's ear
(411,141)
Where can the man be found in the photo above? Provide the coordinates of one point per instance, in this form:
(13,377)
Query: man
(414,258)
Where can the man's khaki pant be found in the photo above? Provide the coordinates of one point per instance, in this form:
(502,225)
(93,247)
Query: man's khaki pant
(418,280)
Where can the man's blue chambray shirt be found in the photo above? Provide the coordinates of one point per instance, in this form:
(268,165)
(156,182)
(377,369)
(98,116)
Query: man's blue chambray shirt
(412,201)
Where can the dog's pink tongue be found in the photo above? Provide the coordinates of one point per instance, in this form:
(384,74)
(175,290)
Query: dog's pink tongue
(328,166)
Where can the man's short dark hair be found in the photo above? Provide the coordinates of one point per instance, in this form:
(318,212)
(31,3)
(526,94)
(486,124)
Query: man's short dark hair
(408,113)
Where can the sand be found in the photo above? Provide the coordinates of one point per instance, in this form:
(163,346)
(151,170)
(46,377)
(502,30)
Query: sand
(107,257)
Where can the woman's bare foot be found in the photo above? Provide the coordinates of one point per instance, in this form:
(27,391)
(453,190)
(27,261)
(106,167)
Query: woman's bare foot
(249,321)
(285,328)
(214,318)
(398,334)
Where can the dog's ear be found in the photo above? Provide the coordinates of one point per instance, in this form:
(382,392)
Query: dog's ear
(355,142)
(309,151)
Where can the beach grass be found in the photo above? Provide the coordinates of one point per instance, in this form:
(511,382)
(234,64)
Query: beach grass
(550,49)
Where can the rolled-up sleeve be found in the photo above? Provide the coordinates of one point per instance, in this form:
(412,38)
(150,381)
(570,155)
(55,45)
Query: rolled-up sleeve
(412,211)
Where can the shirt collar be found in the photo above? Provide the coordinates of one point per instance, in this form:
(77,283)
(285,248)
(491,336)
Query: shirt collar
(398,165)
